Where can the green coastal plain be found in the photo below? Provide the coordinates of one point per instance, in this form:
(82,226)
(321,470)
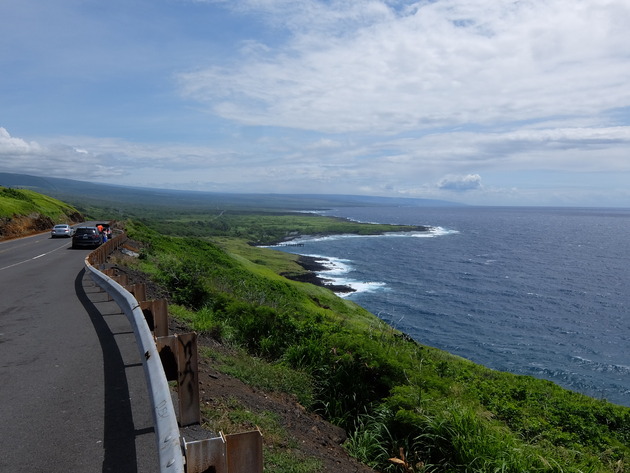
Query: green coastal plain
(394,396)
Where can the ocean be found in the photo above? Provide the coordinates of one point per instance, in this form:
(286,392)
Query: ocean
(534,291)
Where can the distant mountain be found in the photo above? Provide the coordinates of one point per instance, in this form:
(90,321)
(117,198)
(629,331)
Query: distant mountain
(82,194)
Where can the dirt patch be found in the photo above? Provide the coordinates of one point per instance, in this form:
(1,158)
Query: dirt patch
(20,226)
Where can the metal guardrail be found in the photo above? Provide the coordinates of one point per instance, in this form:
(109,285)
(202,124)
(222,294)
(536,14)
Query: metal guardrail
(169,448)
(234,453)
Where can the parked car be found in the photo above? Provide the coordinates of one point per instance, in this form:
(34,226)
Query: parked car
(87,237)
(61,230)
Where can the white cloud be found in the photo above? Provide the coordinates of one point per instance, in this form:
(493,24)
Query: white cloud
(460,183)
(427,65)
(10,145)
(387,97)
(397,166)
(56,160)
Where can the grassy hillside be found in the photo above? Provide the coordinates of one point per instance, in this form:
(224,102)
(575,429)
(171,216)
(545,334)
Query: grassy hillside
(25,202)
(23,211)
(395,397)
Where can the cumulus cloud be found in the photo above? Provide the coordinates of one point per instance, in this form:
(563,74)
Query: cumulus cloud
(460,183)
(384,67)
(57,160)
(386,97)
(16,146)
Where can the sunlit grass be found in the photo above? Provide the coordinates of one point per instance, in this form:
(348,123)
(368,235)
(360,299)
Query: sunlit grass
(280,454)
(262,374)
(25,202)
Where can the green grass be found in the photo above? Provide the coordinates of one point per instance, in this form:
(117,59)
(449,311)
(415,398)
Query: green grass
(280,453)
(264,228)
(282,461)
(14,202)
(388,392)
(263,375)
(230,417)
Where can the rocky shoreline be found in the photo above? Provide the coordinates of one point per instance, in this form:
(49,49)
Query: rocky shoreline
(314,265)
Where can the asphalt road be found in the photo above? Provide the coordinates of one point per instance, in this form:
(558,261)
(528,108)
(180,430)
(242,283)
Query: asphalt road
(72,391)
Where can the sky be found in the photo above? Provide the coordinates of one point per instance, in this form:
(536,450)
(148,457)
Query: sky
(485,102)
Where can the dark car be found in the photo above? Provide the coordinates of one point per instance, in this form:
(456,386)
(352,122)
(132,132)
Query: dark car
(87,237)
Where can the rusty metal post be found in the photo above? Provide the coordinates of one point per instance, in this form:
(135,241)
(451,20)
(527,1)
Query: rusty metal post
(167,348)
(234,453)
(206,455)
(116,275)
(188,379)
(179,359)
(244,452)
(138,291)
(156,313)
(121,279)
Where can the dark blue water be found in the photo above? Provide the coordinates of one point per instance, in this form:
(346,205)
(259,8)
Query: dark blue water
(536,291)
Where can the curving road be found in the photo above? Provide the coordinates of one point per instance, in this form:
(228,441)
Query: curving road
(72,391)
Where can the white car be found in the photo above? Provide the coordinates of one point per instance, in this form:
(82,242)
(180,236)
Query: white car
(61,230)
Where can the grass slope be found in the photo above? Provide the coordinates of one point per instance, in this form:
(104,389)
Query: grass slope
(395,397)
(23,212)
(15,202)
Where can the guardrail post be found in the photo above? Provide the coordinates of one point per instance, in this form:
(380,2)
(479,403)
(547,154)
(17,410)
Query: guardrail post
(206,455)
(235,453)
(179,359)
(138,291)
(121,279)
(156,313)
(244,452)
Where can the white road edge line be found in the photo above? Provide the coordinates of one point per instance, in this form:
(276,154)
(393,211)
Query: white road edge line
(34,257)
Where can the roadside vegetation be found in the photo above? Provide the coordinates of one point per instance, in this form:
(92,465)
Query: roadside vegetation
(23,212)
(405,406)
